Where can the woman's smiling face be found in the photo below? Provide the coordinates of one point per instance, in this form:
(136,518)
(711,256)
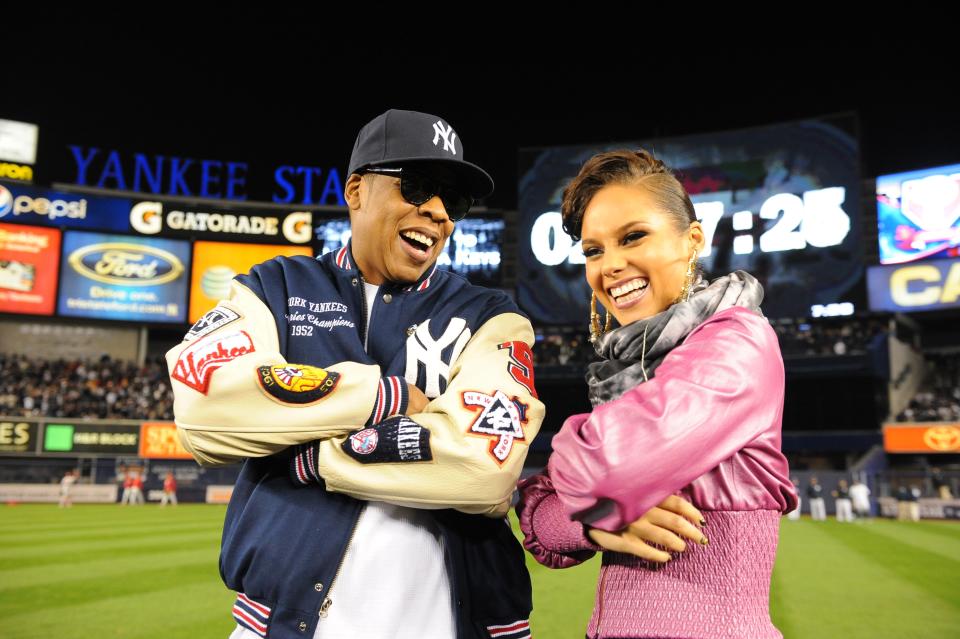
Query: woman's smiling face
(636,256)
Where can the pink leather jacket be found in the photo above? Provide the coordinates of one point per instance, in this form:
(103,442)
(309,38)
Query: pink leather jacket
(706,427)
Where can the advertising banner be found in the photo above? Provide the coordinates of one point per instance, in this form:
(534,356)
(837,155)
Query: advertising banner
(28,269)
(123,278)
(215,264)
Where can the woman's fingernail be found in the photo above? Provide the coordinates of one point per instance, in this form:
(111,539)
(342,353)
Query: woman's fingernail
(704,541)
(703,522)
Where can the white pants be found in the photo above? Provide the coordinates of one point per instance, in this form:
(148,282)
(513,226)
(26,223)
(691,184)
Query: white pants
(818,510)
(844,510)
(794,515)
(170,497)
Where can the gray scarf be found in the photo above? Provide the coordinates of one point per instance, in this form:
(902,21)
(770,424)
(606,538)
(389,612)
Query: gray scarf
(633,352)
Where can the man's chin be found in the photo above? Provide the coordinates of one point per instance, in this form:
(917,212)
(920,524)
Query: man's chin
(408,273)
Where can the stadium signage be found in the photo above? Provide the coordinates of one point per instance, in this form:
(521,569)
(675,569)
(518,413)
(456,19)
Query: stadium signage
(129,264)
(192,177)
(10,171)
(18,437)
(921,438)
(41,206)
(915,287)
(149,218)
(159,440)
(91,438)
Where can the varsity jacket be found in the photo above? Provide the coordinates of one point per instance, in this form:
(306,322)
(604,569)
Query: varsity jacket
(286,375)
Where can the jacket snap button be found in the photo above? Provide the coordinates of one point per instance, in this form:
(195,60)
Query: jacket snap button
(302,626)
(411,329)
(387,298)
(318,587)
(354,281)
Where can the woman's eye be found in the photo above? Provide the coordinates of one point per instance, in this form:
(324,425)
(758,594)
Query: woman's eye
(633,236)
(591,252)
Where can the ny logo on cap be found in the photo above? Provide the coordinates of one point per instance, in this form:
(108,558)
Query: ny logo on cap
(449,137)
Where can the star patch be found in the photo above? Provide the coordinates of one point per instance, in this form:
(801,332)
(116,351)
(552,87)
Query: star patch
(298,384)
(501,418)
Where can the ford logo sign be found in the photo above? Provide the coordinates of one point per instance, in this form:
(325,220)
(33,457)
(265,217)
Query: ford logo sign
(127,264)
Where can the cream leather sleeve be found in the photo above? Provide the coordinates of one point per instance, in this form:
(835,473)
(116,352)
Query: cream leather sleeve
(477,433)
(235,396)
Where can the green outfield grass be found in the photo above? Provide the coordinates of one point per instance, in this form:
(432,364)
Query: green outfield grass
(151,573)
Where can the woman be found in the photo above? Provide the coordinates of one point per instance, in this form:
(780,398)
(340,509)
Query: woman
(688,402)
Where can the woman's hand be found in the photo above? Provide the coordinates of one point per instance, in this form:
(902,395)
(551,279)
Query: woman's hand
(663,525)
(416,401)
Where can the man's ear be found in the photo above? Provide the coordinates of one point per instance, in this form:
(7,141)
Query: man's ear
(351,191)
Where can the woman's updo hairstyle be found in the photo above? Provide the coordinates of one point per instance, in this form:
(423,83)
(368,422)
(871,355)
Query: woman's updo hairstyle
(634,168)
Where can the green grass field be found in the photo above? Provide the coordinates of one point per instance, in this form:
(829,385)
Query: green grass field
(151,573)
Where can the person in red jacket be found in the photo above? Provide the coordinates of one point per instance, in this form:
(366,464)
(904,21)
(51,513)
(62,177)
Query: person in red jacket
(688,401)
(169,490)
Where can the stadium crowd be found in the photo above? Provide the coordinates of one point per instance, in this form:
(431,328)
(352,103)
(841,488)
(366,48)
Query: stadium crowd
(939,398)
(798,338)
(836,337)
(103,389)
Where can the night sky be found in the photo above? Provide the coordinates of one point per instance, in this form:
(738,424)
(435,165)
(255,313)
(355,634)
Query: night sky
(291,95)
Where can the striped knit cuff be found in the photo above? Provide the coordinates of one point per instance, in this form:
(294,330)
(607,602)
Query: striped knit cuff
(303,465)
(392,397)
(251,615)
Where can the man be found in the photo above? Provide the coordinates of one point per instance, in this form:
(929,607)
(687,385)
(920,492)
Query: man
(169,489)
(794,515)
(818,510)
(66,485)
(860,496)
(384,408)
(842,500)
(940,484)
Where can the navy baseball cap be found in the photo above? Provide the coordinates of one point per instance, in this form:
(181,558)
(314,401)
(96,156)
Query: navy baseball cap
(399,137)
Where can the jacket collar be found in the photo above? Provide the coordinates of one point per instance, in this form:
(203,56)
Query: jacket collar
(343,258)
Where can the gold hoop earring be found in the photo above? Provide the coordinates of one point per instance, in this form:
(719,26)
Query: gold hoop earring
(595,332)
(688,279)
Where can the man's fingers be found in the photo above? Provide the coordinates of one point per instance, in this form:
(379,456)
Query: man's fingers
(675,524)
(682,507)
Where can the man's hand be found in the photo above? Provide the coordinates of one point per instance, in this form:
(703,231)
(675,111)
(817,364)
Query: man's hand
(662,525)
(416,401)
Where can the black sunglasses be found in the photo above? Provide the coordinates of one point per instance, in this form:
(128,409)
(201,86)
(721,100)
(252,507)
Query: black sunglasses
(417,188)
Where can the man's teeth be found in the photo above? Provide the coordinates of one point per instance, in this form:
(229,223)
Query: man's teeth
(418,237)
(632,285)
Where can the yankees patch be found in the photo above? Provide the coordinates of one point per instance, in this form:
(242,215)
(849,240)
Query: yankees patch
(501,418)
(211,321)
(297,383)
(201,358)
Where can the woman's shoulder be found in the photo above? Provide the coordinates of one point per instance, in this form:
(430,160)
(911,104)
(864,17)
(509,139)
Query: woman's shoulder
(738,339)
(737,321)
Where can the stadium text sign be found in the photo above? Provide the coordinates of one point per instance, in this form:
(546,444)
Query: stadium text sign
(171,175)
(159,440)
(18,437)
(90,438)
(915,287)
